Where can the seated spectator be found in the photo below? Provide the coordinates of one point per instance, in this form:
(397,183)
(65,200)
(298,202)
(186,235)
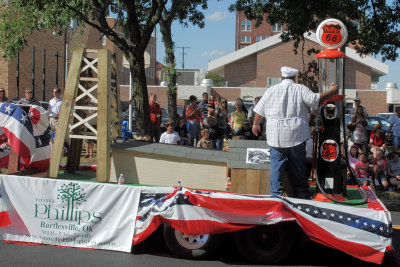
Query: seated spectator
(170,136)
(205,141)
(216,133)
(393,170)
(377,140)
(362,172)
(182,131)
(237,117)
(379,169)
(353,155)
(246,131)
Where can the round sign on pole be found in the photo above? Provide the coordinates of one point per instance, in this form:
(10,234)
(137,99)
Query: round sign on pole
(331,34)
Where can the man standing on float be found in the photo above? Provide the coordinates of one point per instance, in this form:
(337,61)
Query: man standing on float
(285,107)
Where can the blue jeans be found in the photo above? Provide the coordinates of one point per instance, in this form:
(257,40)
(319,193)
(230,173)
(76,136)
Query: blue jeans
(295,157)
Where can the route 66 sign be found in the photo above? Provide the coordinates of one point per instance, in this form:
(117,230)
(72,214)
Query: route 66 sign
(329,150)
(331,34)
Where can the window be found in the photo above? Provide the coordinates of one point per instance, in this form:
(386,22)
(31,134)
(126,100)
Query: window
(246,25)
(273,80)
(103,40)
(245,39)
(276,27)
(259,38)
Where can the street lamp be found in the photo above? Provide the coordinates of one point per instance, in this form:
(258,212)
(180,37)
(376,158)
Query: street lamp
(70,30)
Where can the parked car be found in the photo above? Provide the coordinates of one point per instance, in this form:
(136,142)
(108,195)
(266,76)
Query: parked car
(372,121)
(385,115)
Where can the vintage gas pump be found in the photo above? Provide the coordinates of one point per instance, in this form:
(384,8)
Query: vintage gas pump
(331,34)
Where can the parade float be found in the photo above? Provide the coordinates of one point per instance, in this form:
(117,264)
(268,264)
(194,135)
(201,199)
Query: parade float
(74,209)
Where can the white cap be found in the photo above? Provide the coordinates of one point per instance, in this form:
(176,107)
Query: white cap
(288,72)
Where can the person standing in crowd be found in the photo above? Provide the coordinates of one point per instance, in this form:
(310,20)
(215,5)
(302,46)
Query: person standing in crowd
(205,107)
(237,117)
(357,103)
(395,126)
(358,120)
(221,114)
(193,115)
(3,97)
(155,117)
(125,104)
(28,99)
(285,107)
(170,136)
(54,108)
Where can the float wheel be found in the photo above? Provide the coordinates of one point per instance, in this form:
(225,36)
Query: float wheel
(190,246)
(266,244)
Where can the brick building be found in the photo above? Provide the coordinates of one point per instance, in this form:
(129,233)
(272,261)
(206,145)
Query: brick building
(247,33)
(87,37)
(258,65)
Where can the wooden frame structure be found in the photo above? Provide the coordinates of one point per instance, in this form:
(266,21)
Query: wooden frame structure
(90,110)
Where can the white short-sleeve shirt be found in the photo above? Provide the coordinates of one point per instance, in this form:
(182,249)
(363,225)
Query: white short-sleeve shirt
(285,107)
(172,138)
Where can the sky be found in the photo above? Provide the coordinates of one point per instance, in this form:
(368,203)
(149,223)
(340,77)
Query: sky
(217,39)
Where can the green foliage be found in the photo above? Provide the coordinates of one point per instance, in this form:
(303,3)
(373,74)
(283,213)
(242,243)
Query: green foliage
(217,80)
(373,26)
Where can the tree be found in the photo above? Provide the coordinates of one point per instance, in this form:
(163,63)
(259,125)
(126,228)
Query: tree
(217,79)
(373,26)
(184,11)
(137,20)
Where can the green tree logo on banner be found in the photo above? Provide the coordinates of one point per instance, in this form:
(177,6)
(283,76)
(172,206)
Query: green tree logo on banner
(73,195)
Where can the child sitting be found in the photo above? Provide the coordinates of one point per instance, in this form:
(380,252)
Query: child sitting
(216,133)
(362,172)
(170,136)
(182,131)
(379,169)
(205,141)
(246,131)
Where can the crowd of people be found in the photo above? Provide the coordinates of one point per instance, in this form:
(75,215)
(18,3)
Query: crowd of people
(371,160)
(206,124)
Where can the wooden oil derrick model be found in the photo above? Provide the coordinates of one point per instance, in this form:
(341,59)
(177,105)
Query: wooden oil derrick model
(90,110)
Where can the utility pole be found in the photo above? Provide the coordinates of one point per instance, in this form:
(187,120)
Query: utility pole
(183,55)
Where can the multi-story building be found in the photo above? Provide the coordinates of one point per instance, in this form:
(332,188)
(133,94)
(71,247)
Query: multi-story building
(247,33)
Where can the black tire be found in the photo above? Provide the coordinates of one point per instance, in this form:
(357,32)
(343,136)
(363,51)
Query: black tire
(190,247)
(266,244)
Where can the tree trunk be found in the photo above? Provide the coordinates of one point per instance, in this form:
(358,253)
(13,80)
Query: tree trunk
(139,83)
(165,29)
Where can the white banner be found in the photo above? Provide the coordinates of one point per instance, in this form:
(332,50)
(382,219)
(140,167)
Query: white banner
(69,213)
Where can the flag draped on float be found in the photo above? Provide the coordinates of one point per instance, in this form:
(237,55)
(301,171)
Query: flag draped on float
(28,134)
(360,232)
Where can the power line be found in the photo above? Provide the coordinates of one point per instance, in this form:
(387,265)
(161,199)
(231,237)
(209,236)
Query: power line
(183,55)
